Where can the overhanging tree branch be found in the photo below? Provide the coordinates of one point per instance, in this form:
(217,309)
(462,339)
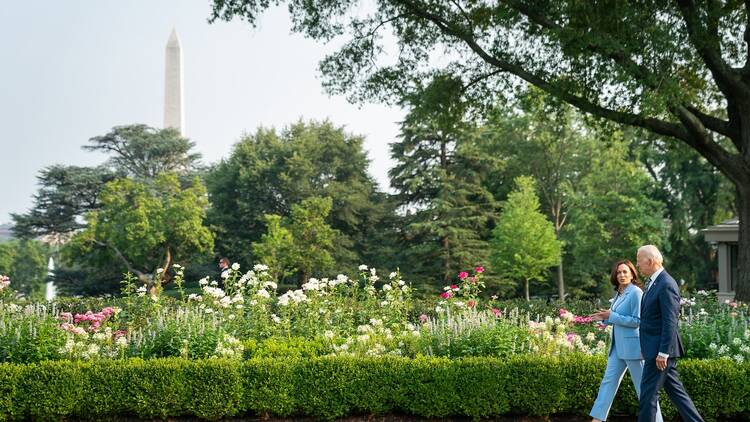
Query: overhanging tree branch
(657,126)
(707,43)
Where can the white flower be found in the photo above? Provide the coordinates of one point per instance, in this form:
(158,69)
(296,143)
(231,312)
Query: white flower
(713,346)
(121,341)
(225,302)
(590,337)
(159,270)
(372,271)
(141,291)
(401,283)
(275,318)
(738,358)
(155,298)
(392,275)
(203,281)
(341,279)
(225,274)
(328,334)
(93,349)
(263,293)
(270,284)
(363,267)
(723,349)
(387,287)
(235,266)
(384,303)
(438,309)
(376,322)
(260,268)
(736,341)
(208,310)
(99,336)
(374,278)
(363,338)
(214,283)
(231,316)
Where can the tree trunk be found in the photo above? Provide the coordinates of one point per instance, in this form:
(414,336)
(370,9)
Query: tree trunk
(560,281)
(445,244)
(526,289)
(742,284)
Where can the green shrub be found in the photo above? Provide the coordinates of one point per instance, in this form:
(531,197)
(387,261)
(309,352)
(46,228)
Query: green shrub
(337,386)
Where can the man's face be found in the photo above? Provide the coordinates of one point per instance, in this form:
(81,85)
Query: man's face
(645,265)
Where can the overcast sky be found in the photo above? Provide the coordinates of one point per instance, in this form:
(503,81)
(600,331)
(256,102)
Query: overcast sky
(73,69)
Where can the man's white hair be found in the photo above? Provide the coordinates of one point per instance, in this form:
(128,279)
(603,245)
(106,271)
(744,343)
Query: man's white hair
(651,252)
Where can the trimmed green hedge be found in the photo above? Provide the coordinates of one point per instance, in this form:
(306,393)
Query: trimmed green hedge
(331,387)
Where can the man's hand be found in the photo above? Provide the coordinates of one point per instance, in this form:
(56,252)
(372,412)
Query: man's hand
(661,363)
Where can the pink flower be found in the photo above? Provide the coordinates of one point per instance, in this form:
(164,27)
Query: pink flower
(463,274)
(497,312)
(471,303)
(454,286)
(423,318)
(601,326)
(446,295)
(479,270)
(582,320)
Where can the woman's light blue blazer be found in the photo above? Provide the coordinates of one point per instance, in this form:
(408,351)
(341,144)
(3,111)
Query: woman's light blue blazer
(626,318)
(624,352)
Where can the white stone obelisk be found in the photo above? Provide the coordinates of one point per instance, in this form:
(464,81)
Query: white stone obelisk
(173,95)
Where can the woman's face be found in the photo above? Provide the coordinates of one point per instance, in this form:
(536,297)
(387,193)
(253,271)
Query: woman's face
(624,276)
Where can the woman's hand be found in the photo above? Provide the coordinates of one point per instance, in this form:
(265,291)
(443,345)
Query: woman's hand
(601,315)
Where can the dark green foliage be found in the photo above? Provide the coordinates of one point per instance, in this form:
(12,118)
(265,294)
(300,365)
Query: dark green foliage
(269,172)
(25,262)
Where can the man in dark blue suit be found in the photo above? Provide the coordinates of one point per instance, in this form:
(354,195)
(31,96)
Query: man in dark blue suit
(660,340)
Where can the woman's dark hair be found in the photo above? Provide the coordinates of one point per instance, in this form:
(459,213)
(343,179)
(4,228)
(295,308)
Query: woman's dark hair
(633,272)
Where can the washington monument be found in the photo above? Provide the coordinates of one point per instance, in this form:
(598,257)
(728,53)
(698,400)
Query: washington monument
(173,98)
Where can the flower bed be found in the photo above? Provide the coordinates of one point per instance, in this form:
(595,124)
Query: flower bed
(243,317)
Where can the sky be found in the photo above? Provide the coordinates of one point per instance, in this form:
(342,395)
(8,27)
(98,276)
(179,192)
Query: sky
(73,69)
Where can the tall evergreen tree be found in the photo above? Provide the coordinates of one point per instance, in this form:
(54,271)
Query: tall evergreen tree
(447,211)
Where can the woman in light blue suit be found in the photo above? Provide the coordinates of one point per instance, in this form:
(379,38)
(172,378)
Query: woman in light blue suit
(625,351)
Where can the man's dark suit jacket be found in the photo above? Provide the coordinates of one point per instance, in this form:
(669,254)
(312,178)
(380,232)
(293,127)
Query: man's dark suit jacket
(660,313)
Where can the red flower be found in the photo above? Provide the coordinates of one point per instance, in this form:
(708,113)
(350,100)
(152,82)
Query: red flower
(454,286)
(471,303)
(446,295)
(479,270)
(463,274)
